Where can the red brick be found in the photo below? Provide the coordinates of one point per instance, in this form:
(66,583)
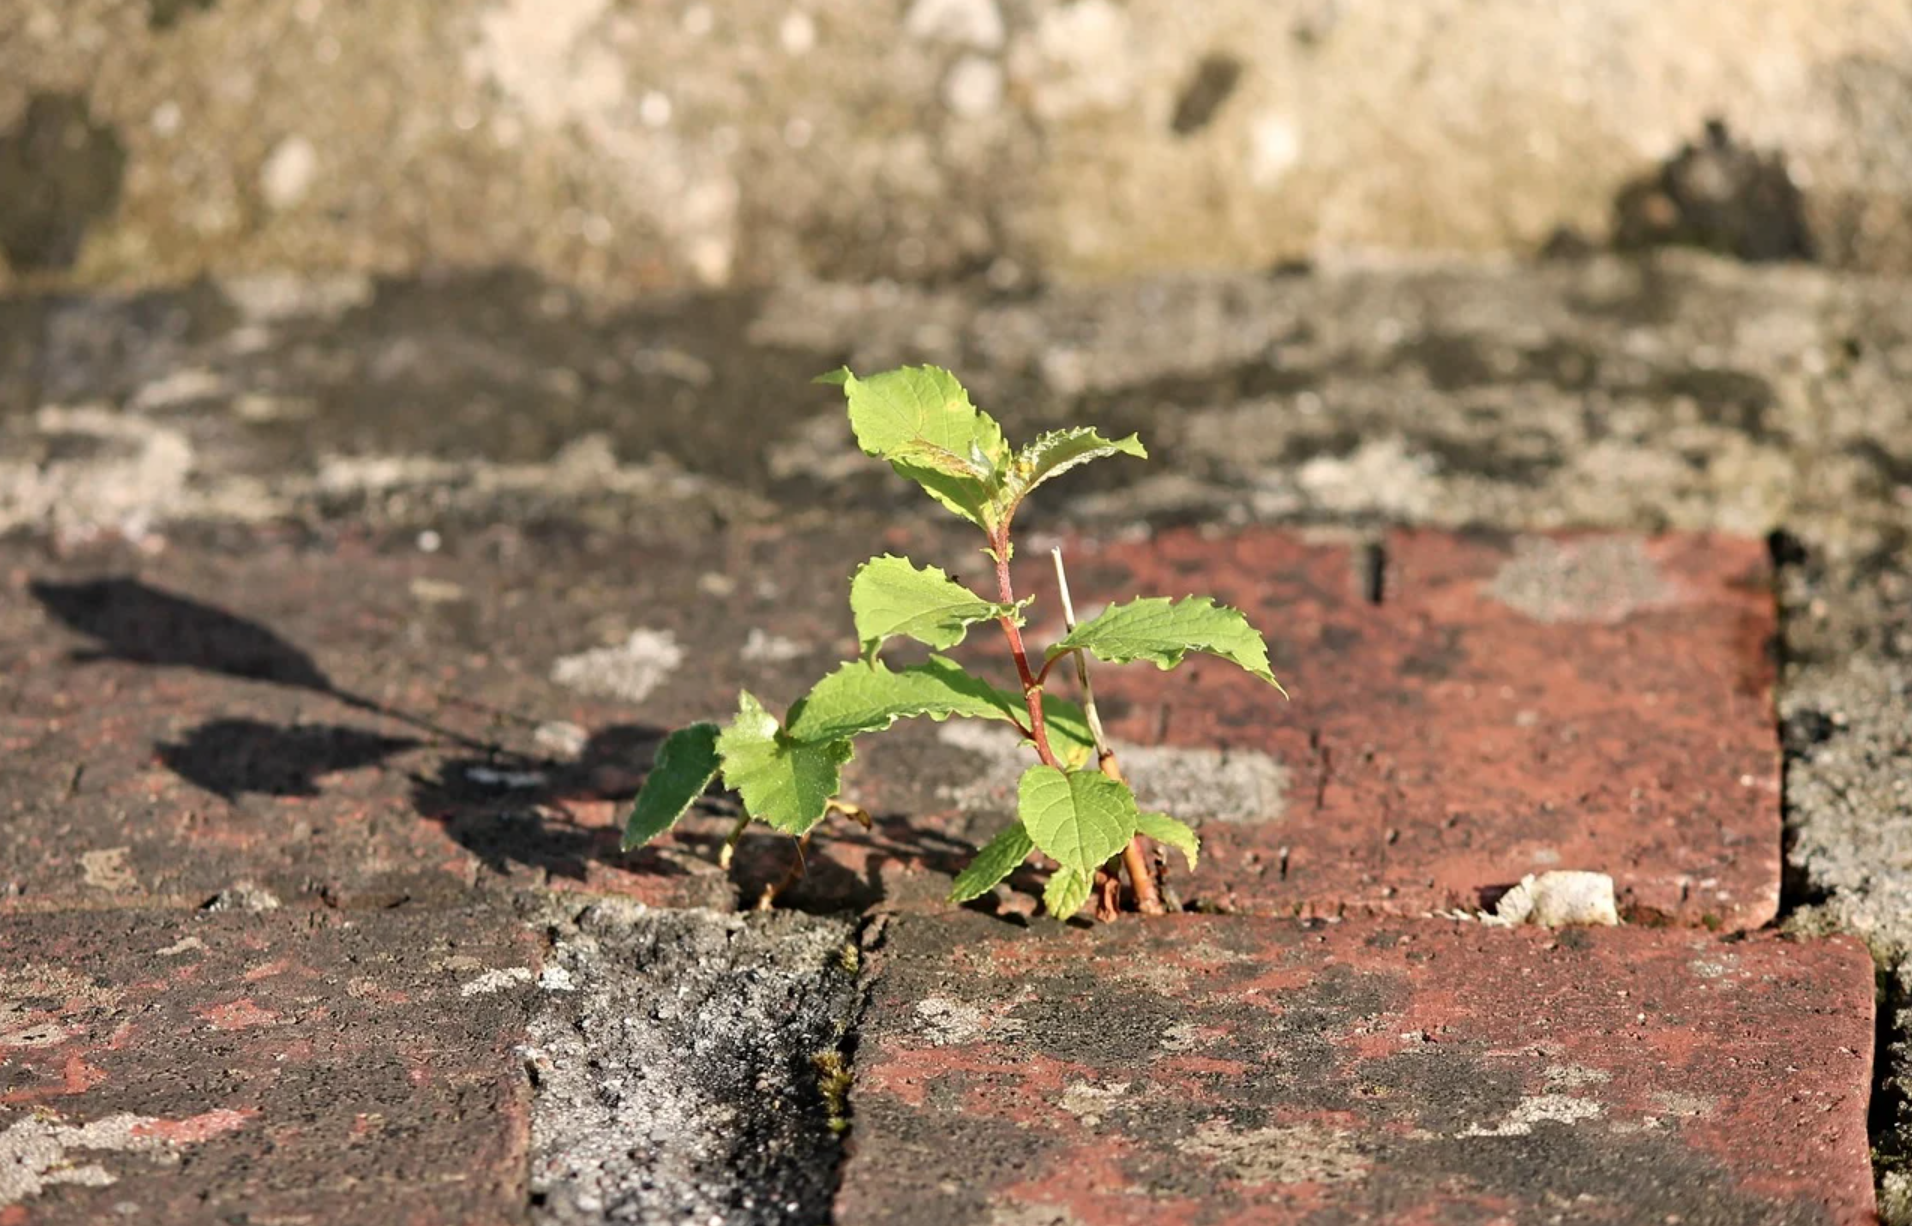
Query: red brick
(183,729)
(1242,1069)
(287,1066)
(1440,744)
(1444,742)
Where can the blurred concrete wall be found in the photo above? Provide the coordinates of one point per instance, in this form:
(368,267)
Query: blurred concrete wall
(637,144)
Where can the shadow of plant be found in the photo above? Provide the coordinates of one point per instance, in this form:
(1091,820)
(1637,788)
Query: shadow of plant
(509,808)
(231,757)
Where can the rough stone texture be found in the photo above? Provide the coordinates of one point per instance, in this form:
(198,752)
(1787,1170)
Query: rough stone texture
(1847,708)
(1506,706)
(297,1066)
(680,1061)
(1651,394)
(1231,1069)
(694,144)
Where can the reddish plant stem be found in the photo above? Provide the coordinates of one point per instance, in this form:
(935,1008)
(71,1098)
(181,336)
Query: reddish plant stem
(1148,900)
(1031,688)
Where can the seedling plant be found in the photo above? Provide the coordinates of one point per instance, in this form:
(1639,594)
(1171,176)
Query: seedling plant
(1073,804)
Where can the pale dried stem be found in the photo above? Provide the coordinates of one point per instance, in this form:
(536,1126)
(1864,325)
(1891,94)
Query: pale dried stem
(1148,899)
(729,850)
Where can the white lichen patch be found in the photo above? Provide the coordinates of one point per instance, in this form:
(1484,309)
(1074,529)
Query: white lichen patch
(106,869)
(1157,977)
(59,985)
(1090,1103)
(1574,1076)
(1195,785)
(561,737)
(40,1034)
(38,1152)
(496,981)
(1599,579)
(1281,1154)
(1684,1105)
(1540,1109)
(1381,475)
(34,1153)
(628,671)
(1186,1037)
(943,1022)
(1032,1215)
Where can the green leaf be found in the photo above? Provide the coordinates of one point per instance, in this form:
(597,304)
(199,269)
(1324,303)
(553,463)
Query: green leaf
(686,763)
(784,782)
(1067,890)
(891,596)
(998,858)
(920,419)
(1165,829)
(1055,453)
(1079,819)
(1162,631)
(857,698)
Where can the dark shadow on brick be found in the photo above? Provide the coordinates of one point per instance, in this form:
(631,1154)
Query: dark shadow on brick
(504,808)
(231,757)
(140,624)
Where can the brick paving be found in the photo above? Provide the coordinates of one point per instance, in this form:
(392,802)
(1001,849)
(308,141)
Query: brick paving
(417,748)
(284,1065)
(1476,709)
(1235,1069)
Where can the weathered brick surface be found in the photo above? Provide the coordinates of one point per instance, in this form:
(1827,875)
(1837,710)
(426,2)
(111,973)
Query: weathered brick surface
(1236,1069)
(1510,705)
(285,1066)
(175,724)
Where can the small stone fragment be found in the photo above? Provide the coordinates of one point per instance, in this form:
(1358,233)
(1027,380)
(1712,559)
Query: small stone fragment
(288,172)
(1558,900)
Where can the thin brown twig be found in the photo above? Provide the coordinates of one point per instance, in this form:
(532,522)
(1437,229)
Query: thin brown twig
(795,874)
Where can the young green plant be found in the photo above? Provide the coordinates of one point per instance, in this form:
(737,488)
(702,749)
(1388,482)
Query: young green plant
(1073,805)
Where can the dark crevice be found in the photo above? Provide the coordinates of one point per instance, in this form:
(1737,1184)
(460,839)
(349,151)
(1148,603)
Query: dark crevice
(1889,1114)
(1374,572)
(1798,734)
